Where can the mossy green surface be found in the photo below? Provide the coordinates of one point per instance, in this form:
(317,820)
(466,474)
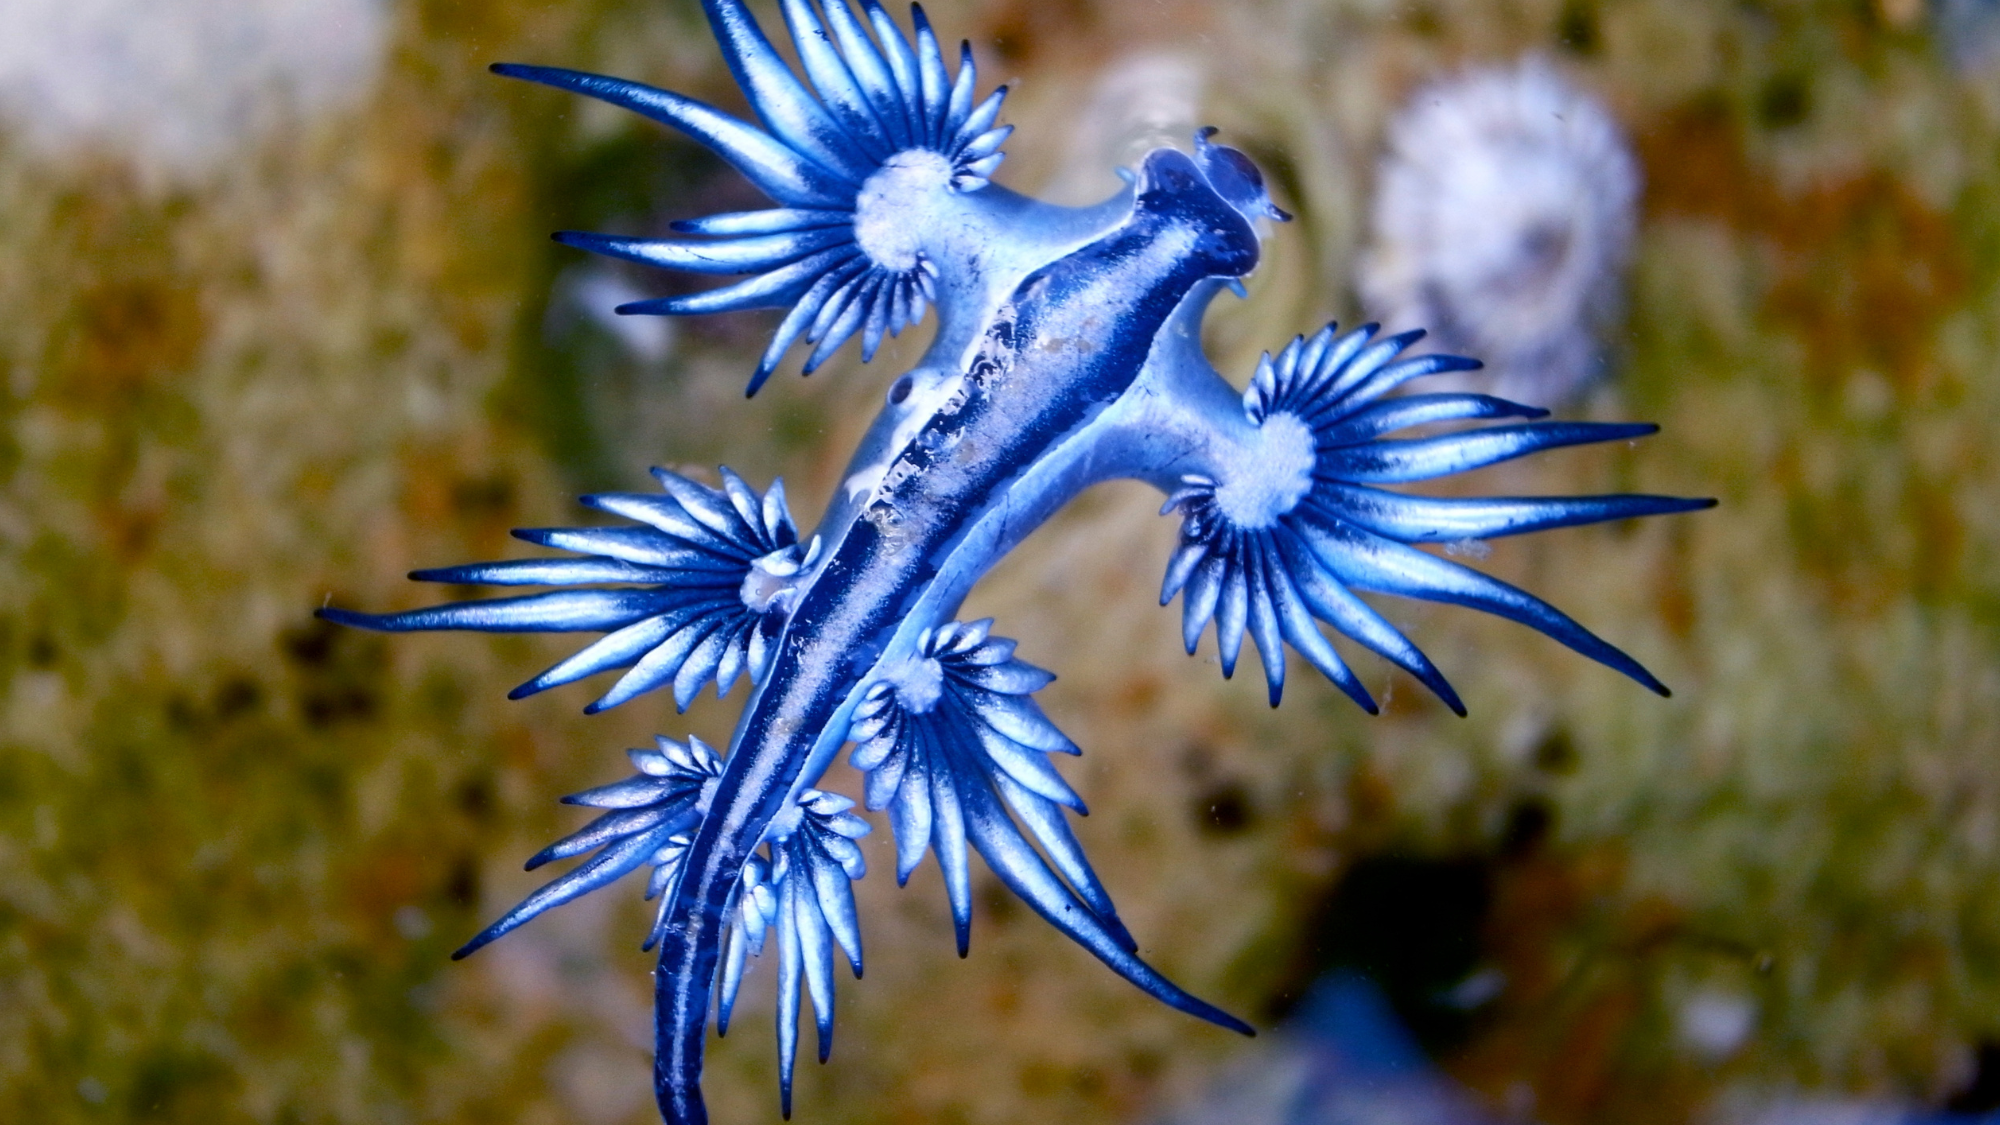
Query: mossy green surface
(237,846)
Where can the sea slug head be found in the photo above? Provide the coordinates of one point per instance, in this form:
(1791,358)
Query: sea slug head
(1235,177)
(1172,184)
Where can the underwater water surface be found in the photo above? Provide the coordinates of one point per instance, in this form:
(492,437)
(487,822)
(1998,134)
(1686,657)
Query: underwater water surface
(283,323)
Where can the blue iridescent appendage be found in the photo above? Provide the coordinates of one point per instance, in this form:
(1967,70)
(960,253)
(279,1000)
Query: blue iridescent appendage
(885,112)
(717,569)
(1248,566)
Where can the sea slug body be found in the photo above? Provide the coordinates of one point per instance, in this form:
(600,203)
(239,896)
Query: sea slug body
(1066,353)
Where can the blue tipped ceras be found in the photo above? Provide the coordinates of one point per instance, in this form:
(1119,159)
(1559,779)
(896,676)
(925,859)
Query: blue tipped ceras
(1068,351)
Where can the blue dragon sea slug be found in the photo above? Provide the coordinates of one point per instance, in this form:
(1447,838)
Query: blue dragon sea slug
(1066,353)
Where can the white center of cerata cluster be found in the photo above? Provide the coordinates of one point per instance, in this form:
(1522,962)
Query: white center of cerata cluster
(918,680)
(1271,476)
(889,210)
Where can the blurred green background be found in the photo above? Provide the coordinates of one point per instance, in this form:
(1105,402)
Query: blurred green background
(283,344)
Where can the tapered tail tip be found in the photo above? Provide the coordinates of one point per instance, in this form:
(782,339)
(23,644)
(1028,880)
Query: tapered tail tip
(1208,1013)
(1646,679)
(1225,1020)
(346,617)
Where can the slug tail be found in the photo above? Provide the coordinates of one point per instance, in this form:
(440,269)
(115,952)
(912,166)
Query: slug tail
(681,986)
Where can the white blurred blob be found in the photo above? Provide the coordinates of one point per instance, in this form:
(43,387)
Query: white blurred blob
(1503,219)
(1970,31)
(1827,1111)
(1715,1024)
(1342,1059)
(413,923)
(601,1084)
(178,86)
(1476,991)
(556,970)
(592,293)
(1143,102)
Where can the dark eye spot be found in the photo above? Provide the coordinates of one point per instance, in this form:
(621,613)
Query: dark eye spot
(1557,753)
(237,696)
(1982,1094)
(1784,102)
(1528,826)
(1577,28)
(1224,810)
(900,391)
(461,885)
